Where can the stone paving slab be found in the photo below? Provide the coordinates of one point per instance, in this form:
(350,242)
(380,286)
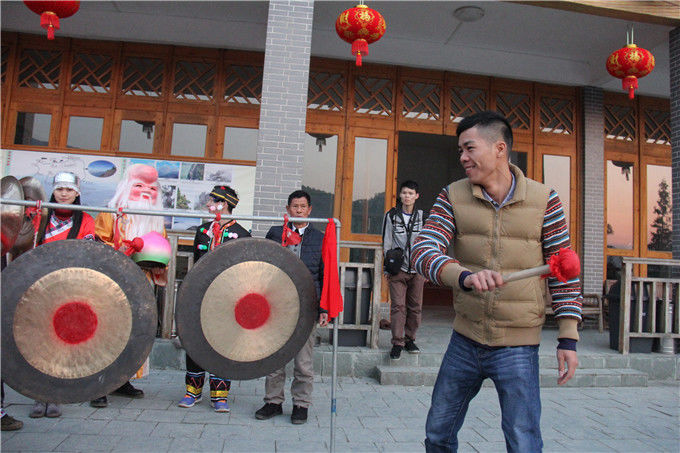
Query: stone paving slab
(370,418)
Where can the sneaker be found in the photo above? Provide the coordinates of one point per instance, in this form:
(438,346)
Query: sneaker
(100,402)
(10,423)
(189,401)
(38,410)
(128,390)
(220,405)
(411,347)
(299,415)
(53,410)
(268,411)
(395,353)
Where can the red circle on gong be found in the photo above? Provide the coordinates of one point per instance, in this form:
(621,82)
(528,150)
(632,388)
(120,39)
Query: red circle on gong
(252,311)
(75,322)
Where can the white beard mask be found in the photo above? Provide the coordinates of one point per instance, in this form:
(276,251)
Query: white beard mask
(139,225)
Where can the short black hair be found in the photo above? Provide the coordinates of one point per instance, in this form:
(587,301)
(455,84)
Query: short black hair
(409,184)
(299,194)
(487,120)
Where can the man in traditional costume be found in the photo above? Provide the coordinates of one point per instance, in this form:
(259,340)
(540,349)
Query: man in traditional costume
(210,235)
(139,189)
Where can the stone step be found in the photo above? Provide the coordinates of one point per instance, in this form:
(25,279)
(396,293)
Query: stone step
(585,377)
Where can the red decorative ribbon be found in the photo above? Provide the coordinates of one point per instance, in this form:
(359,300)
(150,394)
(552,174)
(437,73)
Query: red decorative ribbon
(289,237)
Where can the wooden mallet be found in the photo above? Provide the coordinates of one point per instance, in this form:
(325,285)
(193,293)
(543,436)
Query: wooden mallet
(563,265)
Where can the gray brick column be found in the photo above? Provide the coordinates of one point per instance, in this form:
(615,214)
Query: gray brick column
(283,110)
(592,257)
(674,54)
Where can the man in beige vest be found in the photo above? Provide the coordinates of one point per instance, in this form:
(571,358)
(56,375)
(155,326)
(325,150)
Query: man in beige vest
(494,222)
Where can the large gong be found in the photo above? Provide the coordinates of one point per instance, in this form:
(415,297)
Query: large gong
(246,308)
(78,319)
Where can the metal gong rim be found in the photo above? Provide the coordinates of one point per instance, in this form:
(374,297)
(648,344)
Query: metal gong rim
(66,272)
(11,216)
(218,281)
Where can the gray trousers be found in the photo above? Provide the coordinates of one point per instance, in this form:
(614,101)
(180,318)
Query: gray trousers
(303,380)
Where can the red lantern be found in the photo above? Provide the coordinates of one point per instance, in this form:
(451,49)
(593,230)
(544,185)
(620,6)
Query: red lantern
(51,11)
(630,63)
(360,26)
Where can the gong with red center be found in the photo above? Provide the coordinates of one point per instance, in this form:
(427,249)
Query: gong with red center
(246,308)
(78,319)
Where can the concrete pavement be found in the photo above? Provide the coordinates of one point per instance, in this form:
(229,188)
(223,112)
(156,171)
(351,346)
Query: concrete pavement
(370,418)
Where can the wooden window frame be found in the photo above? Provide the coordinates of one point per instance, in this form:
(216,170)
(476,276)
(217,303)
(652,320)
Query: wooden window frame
(136,115)
(320,128)
(348,179)
(55,124)
(406,75)
(185,118)
(222,124)
(90,112)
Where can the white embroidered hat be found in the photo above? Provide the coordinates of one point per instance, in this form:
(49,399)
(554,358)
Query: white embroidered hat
(66,180)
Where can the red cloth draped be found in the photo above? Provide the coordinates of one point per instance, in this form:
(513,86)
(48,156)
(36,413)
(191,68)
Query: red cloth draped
(331,296)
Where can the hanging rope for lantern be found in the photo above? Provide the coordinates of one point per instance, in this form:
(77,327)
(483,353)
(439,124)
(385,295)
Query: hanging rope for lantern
(360,26)
(629,64)
(51,11)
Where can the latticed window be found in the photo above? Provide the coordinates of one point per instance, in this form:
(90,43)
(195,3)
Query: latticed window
(557,116)
(619,122)
(243,84)
(326,91)
(516,108)
(421,100)
(465,102)
(40,68)
(373,96)
(194,80)
(3,63)
(658,127)
(91,73)
(143,77)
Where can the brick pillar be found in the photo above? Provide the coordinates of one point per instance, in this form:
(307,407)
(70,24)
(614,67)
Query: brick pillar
(280,144)
(592,258)
(674,56)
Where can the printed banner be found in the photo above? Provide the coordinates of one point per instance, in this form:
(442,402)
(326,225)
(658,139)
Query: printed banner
(184,185)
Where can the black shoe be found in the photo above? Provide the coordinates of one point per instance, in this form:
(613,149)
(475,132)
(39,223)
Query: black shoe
(128,390)
(411,347)
(10,423)
(268,411)
(100,402)
(395,353)
(299,415)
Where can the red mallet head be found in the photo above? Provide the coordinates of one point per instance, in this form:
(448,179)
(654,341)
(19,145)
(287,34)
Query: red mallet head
(565,265)
(134,246)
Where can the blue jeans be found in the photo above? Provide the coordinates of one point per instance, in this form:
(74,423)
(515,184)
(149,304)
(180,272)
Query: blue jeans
(514,371)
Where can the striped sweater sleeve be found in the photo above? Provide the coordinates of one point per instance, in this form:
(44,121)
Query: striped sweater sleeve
(566,297)
(428,254)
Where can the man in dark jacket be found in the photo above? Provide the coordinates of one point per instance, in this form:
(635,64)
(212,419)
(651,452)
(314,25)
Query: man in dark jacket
(309,251)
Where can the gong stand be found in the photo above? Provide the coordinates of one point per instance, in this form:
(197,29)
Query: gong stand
(198,215)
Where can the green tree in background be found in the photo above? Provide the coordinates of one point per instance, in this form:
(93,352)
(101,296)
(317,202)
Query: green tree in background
(662,225)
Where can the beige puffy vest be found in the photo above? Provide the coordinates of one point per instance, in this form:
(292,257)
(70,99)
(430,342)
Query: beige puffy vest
(506,241)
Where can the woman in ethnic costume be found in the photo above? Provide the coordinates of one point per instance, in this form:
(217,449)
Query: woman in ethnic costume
(57,225)
(222,201)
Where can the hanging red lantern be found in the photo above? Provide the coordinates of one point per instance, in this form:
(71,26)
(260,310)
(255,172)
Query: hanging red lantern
(360,26)
(51,11)
(630,63)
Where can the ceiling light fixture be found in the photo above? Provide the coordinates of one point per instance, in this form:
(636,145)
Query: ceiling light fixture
(468,13)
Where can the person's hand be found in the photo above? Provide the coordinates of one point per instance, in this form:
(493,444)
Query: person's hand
(571,360)
(484,280)
(323,319)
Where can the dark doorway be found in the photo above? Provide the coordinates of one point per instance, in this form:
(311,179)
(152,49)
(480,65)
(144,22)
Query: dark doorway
(432,161)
